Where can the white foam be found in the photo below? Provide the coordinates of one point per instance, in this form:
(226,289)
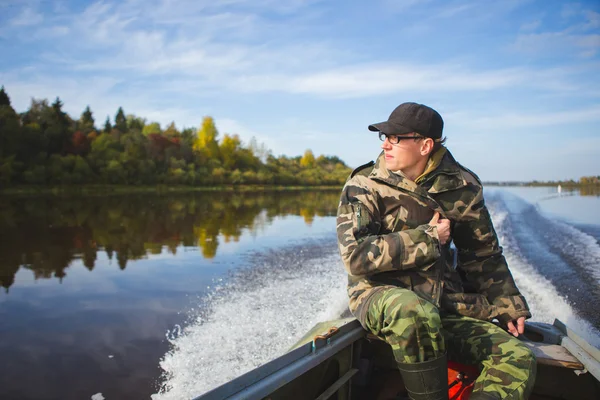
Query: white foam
(247,327)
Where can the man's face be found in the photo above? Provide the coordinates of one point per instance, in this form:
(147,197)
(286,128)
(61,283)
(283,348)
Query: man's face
(404,155)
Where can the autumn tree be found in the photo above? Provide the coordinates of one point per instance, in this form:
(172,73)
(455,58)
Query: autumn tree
(80,144)
(229,148)
(206,141)
(308,159)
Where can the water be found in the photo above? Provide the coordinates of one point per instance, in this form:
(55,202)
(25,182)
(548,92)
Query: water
(93,286)
(170,296)
(552,243)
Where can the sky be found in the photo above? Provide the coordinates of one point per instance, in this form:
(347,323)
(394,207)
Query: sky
(517,82)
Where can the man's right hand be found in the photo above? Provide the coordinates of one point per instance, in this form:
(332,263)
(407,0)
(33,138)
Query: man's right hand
(443,227)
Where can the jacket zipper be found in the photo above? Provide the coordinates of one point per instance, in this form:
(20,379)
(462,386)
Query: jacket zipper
(440,275)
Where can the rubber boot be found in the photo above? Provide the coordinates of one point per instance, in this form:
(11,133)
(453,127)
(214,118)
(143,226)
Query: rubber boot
(426,380)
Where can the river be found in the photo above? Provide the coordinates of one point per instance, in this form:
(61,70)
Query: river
(140,296)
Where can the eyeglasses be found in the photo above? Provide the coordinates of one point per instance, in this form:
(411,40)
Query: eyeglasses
(395,139)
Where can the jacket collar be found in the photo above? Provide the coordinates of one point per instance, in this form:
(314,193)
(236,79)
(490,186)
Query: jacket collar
(447,176)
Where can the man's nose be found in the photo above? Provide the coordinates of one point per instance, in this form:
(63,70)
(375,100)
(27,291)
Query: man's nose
(386,144)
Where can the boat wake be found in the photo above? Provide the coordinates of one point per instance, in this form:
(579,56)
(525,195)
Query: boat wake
(554,264)
(256,316)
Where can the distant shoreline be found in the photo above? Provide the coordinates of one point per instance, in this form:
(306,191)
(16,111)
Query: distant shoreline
(91,189)
(544,184)
(584,189)
(158,189)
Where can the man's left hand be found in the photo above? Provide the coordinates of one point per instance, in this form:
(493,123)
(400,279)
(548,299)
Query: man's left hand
(518,329)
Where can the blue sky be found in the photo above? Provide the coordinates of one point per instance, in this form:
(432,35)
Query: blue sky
(517,82)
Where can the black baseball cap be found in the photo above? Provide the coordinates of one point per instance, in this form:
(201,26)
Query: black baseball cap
(412,117)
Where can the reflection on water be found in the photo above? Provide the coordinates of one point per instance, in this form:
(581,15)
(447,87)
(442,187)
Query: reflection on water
(591,190)
(45,235)
(131,268)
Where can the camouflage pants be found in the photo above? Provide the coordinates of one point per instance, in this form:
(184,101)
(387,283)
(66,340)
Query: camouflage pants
(418,332)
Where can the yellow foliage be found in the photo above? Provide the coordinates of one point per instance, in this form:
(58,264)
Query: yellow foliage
(308,159)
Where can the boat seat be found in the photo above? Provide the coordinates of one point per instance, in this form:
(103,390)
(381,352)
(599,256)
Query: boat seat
(547,354)
(554,355)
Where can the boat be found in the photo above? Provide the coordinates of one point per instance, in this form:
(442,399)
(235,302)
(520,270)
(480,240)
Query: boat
(340,360)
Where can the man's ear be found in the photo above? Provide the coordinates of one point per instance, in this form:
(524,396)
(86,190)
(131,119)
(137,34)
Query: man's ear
(426,146)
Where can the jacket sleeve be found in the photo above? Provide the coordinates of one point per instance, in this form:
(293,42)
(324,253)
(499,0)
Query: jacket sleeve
(364,251)
(480,258)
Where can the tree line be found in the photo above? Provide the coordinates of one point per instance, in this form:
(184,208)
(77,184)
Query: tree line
(45,146)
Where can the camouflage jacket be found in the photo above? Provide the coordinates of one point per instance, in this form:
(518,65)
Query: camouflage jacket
(385,240)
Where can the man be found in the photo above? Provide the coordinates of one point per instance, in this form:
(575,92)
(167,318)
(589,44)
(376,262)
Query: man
(396,220)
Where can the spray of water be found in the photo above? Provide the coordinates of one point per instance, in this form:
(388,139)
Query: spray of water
(256,316)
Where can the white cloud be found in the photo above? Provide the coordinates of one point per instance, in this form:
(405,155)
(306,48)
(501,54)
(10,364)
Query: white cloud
(453,10)
(152,41)
(367,80)
(580,37)
(196,39)
(504,120)
(558,43)
(27,17)
(593,20)
(530,26)
(403,5)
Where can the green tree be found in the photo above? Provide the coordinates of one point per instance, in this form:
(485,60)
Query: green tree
(104,149)
(10,127)
(188,136)
(56,126)
(121,121)
(82,173)
(7,170)
(4,99)
(86,121)
(171,131)
(34,113)
(135,123)
(152,128)
(107,125)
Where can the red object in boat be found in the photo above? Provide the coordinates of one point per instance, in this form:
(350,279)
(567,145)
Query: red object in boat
(461,378)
